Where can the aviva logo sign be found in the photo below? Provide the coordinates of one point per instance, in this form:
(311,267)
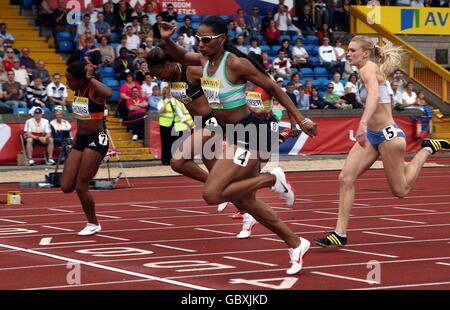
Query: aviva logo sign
(410,19)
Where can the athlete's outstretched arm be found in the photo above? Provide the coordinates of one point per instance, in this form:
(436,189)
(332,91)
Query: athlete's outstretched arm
(178,53)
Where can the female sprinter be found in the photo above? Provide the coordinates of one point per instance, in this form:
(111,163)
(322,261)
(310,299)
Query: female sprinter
(377,134)
(91,142)
(185,87)
(235,176)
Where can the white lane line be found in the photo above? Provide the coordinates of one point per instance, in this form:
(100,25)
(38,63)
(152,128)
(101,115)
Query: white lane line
(250,261)
(12,221)
(148,207)
(215,231)
(58,228)
(412,209)
(112,269)
(405,286)
(389,219)
(158,223)
(109,216)
(343,277)
(270,239)
(326,212)
(441,263)
(316,226)
(111,237)
(59,210)
(387,235)
(199,212)
(173,248)
(370,253)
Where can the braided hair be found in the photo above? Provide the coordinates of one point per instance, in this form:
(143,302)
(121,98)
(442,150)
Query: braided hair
(76,69)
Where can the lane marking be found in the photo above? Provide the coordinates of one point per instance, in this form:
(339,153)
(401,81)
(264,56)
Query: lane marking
(158,223)
(12,221)
(412,209)
(112,269)
(148,207)
(215,231)
(370,253)
(271,239)
(387,235)
(58,228)
(111,237)
(441,263)
(48,241)
(389,219)
(343,277)
(317,226)
(199,212)
(109,216)
(59,210)
(250,261)
(403,286)
(173,248)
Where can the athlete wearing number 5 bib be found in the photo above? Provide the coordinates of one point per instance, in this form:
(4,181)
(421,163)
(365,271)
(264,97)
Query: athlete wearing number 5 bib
(377,134)
(91,142)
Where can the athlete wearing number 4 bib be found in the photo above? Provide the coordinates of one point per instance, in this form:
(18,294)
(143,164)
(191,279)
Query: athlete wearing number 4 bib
(236,176)
(91,142)
(378,128)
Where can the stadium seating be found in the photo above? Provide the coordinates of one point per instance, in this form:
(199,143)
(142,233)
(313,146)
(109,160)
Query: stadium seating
(21,110)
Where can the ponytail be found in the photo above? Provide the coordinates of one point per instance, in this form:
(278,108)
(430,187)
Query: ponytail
(389,58)
(228,46)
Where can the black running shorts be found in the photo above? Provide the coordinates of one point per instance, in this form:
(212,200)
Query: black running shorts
(96,141)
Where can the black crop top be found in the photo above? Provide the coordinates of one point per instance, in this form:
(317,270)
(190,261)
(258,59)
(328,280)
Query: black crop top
(85,107)
(184,91)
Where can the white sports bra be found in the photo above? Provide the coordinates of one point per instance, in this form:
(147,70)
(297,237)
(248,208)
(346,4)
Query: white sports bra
(385,92)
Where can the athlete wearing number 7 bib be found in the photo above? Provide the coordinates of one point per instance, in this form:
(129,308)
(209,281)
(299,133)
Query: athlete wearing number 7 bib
(377,134)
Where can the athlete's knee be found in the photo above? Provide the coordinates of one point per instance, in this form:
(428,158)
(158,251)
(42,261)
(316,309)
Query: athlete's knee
(177,164)
(67,188)
(211,195)
(400,193)
(346,180)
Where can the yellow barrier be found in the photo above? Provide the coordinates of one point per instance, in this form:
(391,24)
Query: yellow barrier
(418,66)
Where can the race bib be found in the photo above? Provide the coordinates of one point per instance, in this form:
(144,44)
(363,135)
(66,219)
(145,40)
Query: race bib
(178,91)
(80,106)
(254,100)
(211,88)
(241,157)
(390,132)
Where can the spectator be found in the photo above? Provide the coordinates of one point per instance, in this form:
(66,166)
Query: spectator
(315,102)
(286,48)
(138,12)
(351,95)
(282,65)
(302,99)
(254,46)
(290,91)
(26,61)
(296,80)
(85,25)
(231,30)
(60,18)
(139,59)
(327,56)
(335,13)
(7,37)
(3,75)
(148,45)
(166,109)
(57,94)
(299,54)
(305,21)
(146,28)
(266,62)
(275,9)
(41,72)
(125,93)
(338,87)
(154,98)
(333,101)
(46,14)
(90,9)
(240,44)
(239,13)
(133,41)
(2,48)
(397,95)
(135,26)
(280,83)
(8,60)
(58,126)
(170,15)
(90,53)
(308,86)
(399,78)
(123,64)
(108,55)
(189,39)
(82,40)
(340,56)
(321,13)
(156,27)
(102,28)
(272,34)
(36,95)
(38,132)
(21,75)
(148,84)
(254,22)
(140,74)
(109,15)
(13,93)
(122,16)
(151,13)
(122,44)
(284,23)
(241,28)
(137,108)
(409,97)
(325,31)
(265,22)
(187,24)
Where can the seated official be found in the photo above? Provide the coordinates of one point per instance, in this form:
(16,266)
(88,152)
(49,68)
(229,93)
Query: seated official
(37,132)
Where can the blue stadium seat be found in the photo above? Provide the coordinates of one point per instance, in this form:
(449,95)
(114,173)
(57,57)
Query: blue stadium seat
(287,37)
(265,48)
(225,18)
(196,17)
(313,50)
(114,45)
(111,82)
(322,82)
(205,16)
(27,4)
(107,72)
(195,25)
(320,72)
(274,50)
(65,46)
(21,110)
(64,36)
(294,39)
(311,39)
(115,37)
(115,96)
(306,72)
(315,61)
(180,17)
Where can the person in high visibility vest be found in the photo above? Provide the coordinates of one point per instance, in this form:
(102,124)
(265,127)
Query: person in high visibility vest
(172,115)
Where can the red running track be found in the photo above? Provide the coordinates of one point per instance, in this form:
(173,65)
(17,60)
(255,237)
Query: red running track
(160,235)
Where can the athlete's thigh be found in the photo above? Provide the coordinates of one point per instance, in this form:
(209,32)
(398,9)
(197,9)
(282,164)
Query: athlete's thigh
(236,164)
(393,157)
(70,171)
(359,159)
(89,166)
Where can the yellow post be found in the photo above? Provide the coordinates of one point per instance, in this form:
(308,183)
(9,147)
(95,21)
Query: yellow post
(411,66)
(444,90)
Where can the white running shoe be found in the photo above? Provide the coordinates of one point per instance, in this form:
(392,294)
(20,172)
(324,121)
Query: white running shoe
(248,223)
(90,229)
(297,256)
(50,162)
(222,206)
(282,186)
(30,162)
